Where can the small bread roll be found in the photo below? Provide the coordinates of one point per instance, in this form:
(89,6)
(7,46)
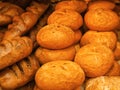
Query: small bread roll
(105,4)
(59,75)
(100,38)
(46,55)
(66,17)
(55,36)
(79,6)
(95,59)
(101,20)
(103,83)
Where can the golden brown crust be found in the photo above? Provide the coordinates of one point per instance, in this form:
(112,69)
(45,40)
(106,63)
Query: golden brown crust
(103,83)
(76,5)
(58,75)
(23,23)
(19,74)
(66,17)
(8,11)
(105,4)
(46,55)
(101,20)
(55,36)
(95,59)
(100,38)
(13,50)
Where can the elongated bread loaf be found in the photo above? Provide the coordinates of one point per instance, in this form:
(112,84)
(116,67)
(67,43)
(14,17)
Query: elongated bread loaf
(14,50)
(19,74)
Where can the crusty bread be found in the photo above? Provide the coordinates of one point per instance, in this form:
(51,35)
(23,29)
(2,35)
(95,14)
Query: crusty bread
(8,11)
(76,5)
(47,55)
(105,4)
(101,20)
(95,59)
(12,51)
(55,36)
(103,83)
(100,38)
(66,17)
(19,73)
(59,75)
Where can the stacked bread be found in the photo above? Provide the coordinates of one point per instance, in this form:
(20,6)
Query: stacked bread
(99,42)
(98,46)
(57,48)
(63,45)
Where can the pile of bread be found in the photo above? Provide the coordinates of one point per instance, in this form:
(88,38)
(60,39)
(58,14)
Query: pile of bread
(60,45)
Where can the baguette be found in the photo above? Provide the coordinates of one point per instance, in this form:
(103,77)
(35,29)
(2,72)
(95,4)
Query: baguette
(19,74)
(8,11)
(24,22)
(12,51)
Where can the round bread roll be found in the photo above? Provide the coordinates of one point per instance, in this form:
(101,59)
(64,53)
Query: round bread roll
(55,36)
(100,38)
(103,83)
(117,51)
(114,70)
(59,75)
(46,55)
(101,20)
(105,4)
(95,59)
(66,17)
(76,5)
